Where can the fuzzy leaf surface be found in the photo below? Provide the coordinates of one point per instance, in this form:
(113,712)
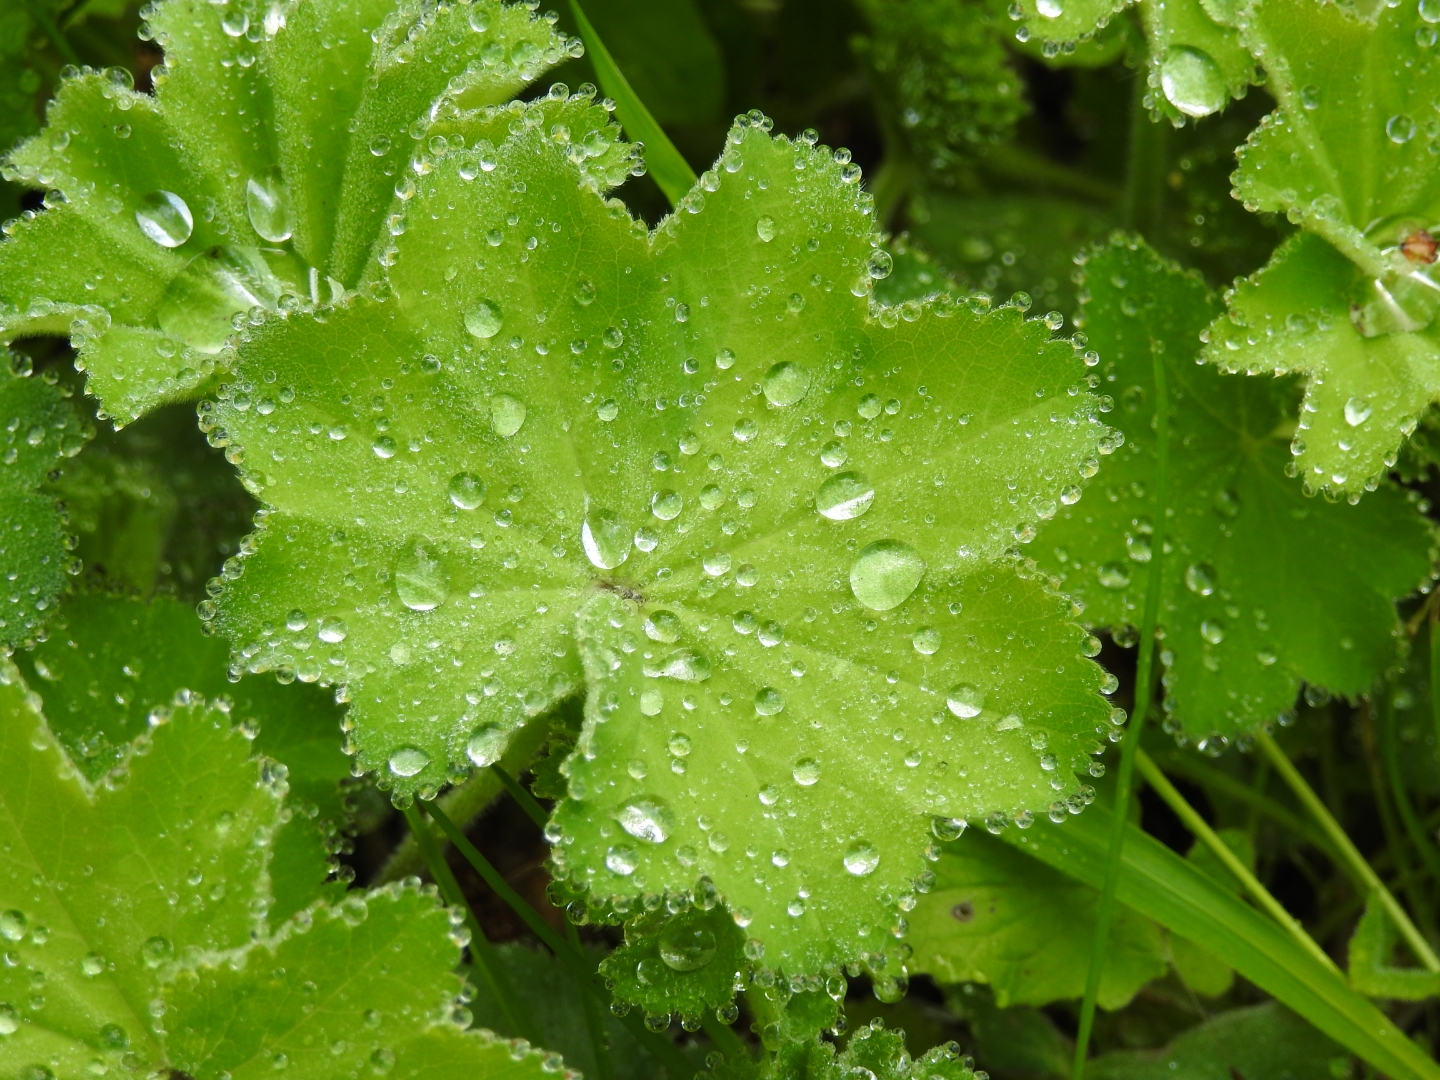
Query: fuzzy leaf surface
(41,430)
(559,430)
(1347,155)
(257,175)
(1262,587)
(996,916)
(144,918)
(685,963)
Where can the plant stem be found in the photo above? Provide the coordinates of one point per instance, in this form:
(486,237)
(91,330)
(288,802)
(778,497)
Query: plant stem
(588,1007)
(1390,752)
(1359,869)
(526,801)
(661,1049)
(486,959)
(52,31)
(1145,165)
(1130,745)
(1206,835)
(1011,161)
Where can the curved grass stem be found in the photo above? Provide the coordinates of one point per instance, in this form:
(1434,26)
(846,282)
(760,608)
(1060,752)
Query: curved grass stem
(1130,745)
(1354,862)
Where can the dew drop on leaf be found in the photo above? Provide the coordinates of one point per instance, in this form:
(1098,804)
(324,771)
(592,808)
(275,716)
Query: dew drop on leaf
(663,626)
(926,641)
(12,925)
(484,319)
(861,858)
(1227,503)
(9,1018)
(652,702)
(1200,578)
(1050,9)
(1113,575)
(407,761)
(724,359)
(716,563)
(607,410)
(1357,411)
(332,630)
(485,745)
(1192,81)
(1213,631)
(421,580)
(683,665)
(1310,96)
(156,950)
(844,496)
(165,218)
(687,948)
(92,964)
(467,491)
(869,406)
(267,205)
(786,383)
(667,504)
(606,540)
(1400,128)
(765,228)
(646,818)
(384,447)
(885,574)
(833,454)
(621,859)
(806,772)
(769,701)
(507,414)
(965,701)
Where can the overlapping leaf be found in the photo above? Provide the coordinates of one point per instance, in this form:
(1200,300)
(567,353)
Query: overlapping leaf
(693,455)
(134,919)
(41,429)
(1262,587)
(256,176)
(685,963)
(870,1051)
(1350,301)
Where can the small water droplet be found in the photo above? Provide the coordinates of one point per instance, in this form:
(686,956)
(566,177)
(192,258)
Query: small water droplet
(765,228)
(926,641)
(1213,631)
(421,580)
(384,447)
(1400,129)
(786,383)
(1114,575)
(407,761)
(965,701)
(861,858)
(165,218)
(467,491)
(484,319)
(13,925)
(684,665)
(667,504)
(885,574)
(769,701)
(844,496)
(806,772)
(156,951)
(687,948)
(331,629)
(621,859)
(833,454)
(716,563)
(607,410)
(1200,578)
(1310,96)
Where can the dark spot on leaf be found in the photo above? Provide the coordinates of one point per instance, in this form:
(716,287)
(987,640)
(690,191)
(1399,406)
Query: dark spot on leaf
(963,911)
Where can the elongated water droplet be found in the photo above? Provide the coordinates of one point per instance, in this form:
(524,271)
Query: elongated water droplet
(421,580)
(765,228)
(965,701)
(687,948)
(165,218)
(861,858)
(786,383)
(1200,578)
(484,319)
(646,818)
(606,539)
(885,574)
(13,925)
(1192,81)
(407,761)
(9,1018)
(1213,631)
(267,204)
(684,665)
(844,496)
(486,744)
(507,414)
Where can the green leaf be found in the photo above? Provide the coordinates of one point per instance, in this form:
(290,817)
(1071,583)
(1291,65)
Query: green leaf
(944,77)
(685,963)
(41,430)
(256,176)
(136,927)
(1263,587)
(995,916)
(1162,886)
(1259,1043)
(1370,968)
(543,385)
(1016,1041)
(1346,156)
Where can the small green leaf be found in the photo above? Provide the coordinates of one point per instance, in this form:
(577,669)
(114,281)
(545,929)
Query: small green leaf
(1264,587)
(41,430)
(1348,304)
(685,963)
(1371,968)
(995,916)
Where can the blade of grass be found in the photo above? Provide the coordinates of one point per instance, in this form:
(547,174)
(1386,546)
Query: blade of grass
(1207,836)
(1159,884)
(487,961)
(1356,863)
(589,1008)
(661,1049)
(671,171)
(1390,752)
(1130,745)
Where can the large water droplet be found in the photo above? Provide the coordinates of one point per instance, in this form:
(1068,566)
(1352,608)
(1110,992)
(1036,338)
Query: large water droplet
(1192,81)
(663,626)
(467,491)
(421,580)
(844,496)
(786,383)
(486,744)
(1357,411)
(685,665)
(646,818)
(885,574)
(267,204)
(1113,575)
(606,539)
(667,504)
(484,319)
(621,859)
(1200,578)
(965,701)
(1049,9)
(165,218)
(9,1018)
(806,772)
(12,925)
(156,951)
(765,228)
(200,301)
(769,701)
(926,641)
(507,414)
(861,858)
(407,761)
(687,948)
(1400,128)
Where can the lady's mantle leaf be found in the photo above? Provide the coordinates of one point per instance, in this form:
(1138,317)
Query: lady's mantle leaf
(686,963)
(40,430)
(256,176)
(1263,587)
(777,529)
(1350,302)
(136,935)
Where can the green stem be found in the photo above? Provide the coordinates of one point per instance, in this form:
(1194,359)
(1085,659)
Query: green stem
(892,180)
(1010,161)
(1390,751)
(1359,869)
(487,961)
(1221,850)
(52,31)
(1129,747)
(661,1049)
(590,1008)
(1145,165)
(669,169)
(526,801)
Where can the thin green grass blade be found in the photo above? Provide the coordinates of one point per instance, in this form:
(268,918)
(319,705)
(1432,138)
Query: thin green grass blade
(1162,886)
(671,171)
